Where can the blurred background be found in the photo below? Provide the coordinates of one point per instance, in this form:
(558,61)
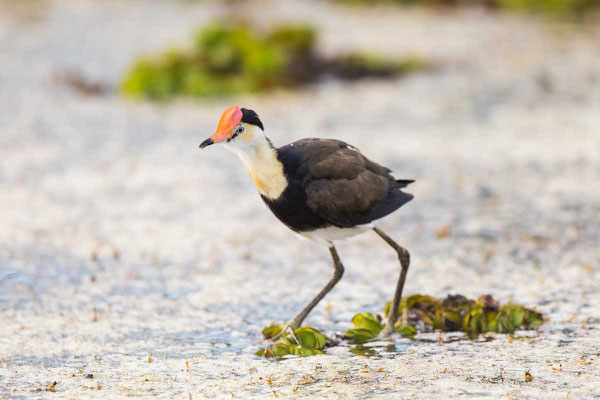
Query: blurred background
(120,239)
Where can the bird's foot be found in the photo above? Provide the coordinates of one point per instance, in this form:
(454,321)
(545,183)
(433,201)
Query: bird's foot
(287,328)
(386,332)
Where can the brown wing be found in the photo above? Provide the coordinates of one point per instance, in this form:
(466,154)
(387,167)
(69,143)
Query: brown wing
(344,187)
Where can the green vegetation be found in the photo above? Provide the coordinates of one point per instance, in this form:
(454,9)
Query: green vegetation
(230,59)
(551,7)
(303,342)
(559,8)
(367,327)
(454,313)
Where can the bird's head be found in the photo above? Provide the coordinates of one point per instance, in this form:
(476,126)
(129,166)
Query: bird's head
(237,126)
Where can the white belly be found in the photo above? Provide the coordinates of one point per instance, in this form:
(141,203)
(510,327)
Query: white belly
(332,233)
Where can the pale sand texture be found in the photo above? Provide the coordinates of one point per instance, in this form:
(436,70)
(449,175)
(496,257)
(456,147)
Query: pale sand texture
(120,240)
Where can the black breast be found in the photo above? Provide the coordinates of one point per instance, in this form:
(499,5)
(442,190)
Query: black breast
(291,207)
(330,183)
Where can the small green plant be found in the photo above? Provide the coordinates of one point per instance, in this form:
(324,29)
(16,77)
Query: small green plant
(454,313)
(367,327)
(560,8)
(557,8)
(301,342)
(230,59)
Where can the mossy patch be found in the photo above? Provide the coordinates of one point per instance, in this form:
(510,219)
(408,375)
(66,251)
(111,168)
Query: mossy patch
(454,313)
(560,8)
(229,59)
(302,342)
(556,8)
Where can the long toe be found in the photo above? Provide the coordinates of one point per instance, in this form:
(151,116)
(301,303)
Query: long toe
(291,325)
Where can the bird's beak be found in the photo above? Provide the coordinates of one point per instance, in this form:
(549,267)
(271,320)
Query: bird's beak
(206,143)
(230,118)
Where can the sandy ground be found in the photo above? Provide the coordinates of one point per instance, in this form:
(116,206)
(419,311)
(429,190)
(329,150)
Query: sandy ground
(133,265)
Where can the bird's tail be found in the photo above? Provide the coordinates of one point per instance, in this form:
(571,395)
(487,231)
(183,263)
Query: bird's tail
(404,182)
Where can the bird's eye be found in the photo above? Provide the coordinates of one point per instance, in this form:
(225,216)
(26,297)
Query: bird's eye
(239,130)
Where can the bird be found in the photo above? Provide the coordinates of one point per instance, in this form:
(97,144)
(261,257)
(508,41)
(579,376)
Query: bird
(323,189)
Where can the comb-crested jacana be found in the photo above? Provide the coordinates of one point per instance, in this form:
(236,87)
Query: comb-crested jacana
(323,189)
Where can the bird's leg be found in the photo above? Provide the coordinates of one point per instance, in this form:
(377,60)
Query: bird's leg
(337,275)
(404,258)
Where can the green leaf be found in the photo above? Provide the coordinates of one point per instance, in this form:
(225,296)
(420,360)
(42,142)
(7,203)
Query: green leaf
(533,319)
(451,321)
(492,322)
(305,352)
(310,338)
(271,331)
(319,338)
(412,301)
(311,342)
(300,39)
(387,307)
(306,339)
(439,320)
(367,321)
(269,352)
(280,349)
(406,331)
(359,335)
(517,315)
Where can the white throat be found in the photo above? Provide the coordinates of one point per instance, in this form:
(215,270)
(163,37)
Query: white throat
(260,159)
